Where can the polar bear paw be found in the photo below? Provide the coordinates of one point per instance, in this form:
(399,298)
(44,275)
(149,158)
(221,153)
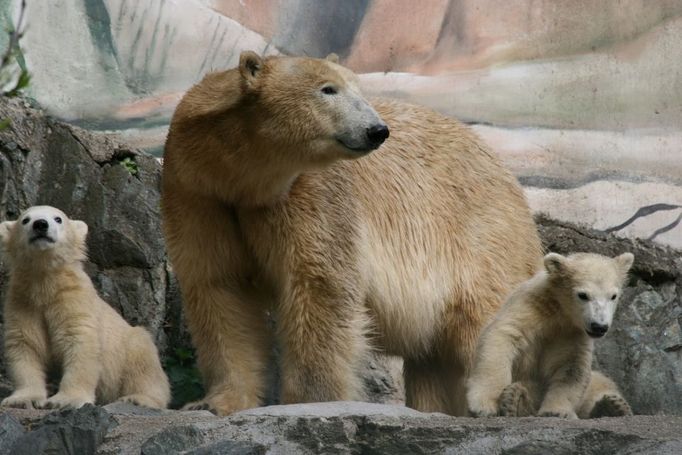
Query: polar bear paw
(611,406)
(515,401)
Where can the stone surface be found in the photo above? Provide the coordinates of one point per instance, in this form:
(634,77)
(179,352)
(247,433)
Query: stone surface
(10,431)
(352,428)
(65,432)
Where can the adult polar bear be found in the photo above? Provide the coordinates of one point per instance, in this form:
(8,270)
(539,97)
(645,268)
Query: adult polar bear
(410,248)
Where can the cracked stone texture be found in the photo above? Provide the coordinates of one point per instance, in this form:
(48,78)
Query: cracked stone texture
(354,428)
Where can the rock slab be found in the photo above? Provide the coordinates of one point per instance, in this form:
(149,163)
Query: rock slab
(355,428)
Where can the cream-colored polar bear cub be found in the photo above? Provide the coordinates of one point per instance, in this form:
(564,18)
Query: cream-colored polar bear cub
(54,319)
(535,356)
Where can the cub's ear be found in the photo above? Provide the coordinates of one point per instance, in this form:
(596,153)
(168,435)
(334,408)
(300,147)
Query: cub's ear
(79,228)
(250,66)
(5,229)
(625,261)
(333,58)
(556,264)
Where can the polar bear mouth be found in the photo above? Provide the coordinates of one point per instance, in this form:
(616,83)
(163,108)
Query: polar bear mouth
(595,334)
(39,237)
(356,149)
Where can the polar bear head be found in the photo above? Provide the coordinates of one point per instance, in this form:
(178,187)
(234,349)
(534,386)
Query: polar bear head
(588,287)
(44,233)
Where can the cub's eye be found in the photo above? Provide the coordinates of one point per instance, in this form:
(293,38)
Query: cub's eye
(583,296)
(58,219)
(329,90)
(25,220)
(613,297)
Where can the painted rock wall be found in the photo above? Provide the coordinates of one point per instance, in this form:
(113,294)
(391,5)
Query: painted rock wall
(582,98)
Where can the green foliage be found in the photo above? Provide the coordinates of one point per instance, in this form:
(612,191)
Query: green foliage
(130,165)
(13,78)
(184,377)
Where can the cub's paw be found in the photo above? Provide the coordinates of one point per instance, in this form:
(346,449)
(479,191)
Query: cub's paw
(220,404)
(611,406)
(561,413)
(201,405)
(141,400)
(483,408)
(515,401)
(24,400)
(63,400)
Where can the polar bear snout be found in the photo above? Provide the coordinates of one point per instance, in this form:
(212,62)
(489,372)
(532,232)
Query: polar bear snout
(366,139)
(377,134)
(597,330)
(41,226)
(40,232)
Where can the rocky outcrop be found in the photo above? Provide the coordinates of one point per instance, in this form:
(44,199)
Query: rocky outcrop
(341,427)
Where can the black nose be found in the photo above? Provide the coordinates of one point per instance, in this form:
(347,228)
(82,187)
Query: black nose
(598,329)
(377,134)
(40,225)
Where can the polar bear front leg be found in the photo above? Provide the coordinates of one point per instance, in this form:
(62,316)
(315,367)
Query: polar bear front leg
(567,387)
(26,355)
(232,343)
(28,375)
(76,340)
(492,371)
(323,341)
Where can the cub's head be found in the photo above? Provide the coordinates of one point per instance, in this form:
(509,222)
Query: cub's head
(43,233)
(590,285)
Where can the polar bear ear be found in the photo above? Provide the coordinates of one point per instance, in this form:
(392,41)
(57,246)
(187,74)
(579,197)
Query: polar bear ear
(556,264)
(5,229)
(333,58)
(625,261)
(250,65)
(79,228)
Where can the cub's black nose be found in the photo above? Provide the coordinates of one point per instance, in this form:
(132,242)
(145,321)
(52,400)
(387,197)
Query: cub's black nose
(598,329)
(377,134)
(40,225)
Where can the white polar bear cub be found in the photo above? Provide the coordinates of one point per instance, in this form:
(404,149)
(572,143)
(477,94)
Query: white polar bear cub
(535,356)
(55,319)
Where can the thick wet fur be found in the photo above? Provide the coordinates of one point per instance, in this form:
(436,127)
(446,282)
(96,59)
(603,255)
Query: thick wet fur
(54,319)
(535,356)
(361,225)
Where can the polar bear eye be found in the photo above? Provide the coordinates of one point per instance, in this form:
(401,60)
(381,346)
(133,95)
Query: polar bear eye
(25,220)
(613,297)
(58,219)
(583,296)
(329,90)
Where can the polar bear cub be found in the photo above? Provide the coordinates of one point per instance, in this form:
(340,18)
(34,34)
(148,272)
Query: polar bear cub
(535,356)
(54,320)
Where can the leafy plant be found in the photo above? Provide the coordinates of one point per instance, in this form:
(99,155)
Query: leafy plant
(184,377)
(130,165)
